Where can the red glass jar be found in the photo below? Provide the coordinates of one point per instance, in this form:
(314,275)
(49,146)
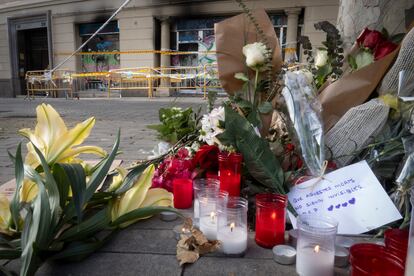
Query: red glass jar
(230,172)
(373,259)
(183,193)
(270,219)
(396,242)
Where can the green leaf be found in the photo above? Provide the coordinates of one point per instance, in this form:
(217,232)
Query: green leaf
(265,108)
(37,231)
(99,175)
(52,190)
(62,182)
(352,62)
(397,38)
(79,250)
(143,213)
(19,174)
(89,227)
(77,180)
(130,178)
(259,159)
(363,58)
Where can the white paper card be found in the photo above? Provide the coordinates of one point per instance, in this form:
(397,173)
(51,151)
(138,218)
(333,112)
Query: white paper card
(352,195)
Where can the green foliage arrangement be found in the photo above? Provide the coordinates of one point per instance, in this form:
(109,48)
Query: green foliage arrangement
(176,123)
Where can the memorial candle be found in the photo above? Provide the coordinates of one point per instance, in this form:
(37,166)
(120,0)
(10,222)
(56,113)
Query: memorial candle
(199,186)
(270,219)
(316,245)
(183,193)
(208,201)
(232,226)
(229,172)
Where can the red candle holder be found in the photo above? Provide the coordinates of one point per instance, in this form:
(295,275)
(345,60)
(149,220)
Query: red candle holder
(183,193)
(372,259)
(270,219)
(396,242)
(229,172)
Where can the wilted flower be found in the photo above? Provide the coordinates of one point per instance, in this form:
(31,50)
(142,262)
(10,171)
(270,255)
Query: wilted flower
(117,179)
(321,58)
(255,54)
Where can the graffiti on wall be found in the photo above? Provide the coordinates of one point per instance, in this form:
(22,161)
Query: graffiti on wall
(101,62)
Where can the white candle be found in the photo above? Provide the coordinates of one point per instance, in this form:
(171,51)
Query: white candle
(208,225)
(233,239)
(313,260)
(196,208)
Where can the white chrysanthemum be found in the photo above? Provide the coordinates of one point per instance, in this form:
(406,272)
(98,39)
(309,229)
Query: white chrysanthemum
(321,58)
(255,54)
(210,126)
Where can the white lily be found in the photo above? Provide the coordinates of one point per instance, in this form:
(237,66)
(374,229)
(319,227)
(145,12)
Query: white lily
(140,196)
(54,140)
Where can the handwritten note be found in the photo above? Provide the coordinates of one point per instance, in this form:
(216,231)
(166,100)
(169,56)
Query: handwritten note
(351,195)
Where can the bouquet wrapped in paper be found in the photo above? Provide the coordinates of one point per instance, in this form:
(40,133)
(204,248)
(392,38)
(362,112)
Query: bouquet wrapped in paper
(304,110)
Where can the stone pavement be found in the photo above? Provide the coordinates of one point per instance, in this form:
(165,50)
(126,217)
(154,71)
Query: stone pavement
(132,115)
(147,247)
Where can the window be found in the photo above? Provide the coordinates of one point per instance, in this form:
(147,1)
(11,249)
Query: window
(106,41)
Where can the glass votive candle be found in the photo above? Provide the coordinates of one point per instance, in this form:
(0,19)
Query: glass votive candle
(209,200)
(200,185)
(396,242)
(372,259)
(316,245)
(230,172)
(409,266)
(232,226)
(183,193)
(270,219)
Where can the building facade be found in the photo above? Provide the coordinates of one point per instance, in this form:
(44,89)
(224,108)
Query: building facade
(38,34)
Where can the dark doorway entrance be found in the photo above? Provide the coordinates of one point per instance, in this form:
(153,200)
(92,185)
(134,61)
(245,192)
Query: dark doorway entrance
(33,52)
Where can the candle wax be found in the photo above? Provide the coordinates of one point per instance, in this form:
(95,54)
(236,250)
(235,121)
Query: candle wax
(233,242)
(312,263)
(208,226)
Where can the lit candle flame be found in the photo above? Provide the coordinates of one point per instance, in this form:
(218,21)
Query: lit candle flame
(213,216)
(316,249)
(273,215)
(232,225)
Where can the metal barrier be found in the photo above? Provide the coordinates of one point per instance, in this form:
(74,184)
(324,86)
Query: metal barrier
(43,82)
(199,78)
(176,78)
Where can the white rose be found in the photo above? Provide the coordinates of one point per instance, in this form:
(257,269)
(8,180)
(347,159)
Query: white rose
(255,54)
(321,58)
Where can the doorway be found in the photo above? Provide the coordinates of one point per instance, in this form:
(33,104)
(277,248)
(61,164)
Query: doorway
(33,52)
(30,44)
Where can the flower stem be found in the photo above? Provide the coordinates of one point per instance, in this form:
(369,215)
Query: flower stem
(255,87)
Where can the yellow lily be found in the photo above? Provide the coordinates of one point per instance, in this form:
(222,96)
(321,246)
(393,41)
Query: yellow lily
(140,195)
(5,216)
(54,140)
(117,179)
(28,191)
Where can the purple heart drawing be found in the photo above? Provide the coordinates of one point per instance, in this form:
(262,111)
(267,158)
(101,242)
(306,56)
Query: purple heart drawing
(338,206)
(345,204)
(351,201)
(330,208)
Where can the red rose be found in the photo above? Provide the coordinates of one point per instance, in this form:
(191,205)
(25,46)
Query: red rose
(363,35)
(372,39)
(383,49)
(289,147)
(207,158)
